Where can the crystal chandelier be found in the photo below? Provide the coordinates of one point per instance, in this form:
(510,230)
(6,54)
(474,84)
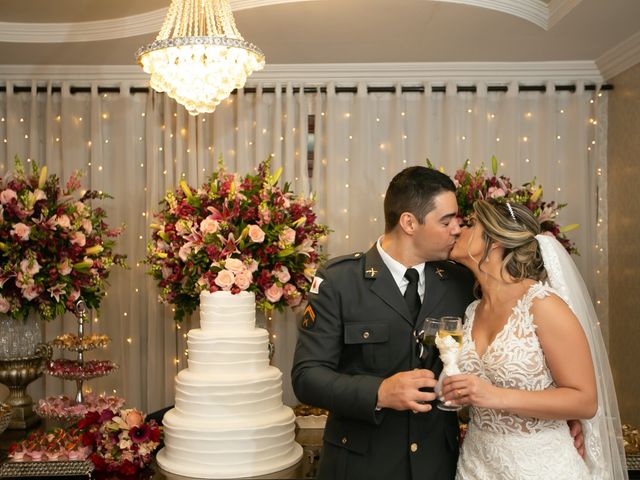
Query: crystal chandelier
(199,56)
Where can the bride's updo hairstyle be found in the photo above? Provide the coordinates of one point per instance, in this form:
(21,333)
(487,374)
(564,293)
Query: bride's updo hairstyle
(514,227)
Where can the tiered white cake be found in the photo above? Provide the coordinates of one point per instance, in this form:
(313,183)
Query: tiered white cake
(228,420)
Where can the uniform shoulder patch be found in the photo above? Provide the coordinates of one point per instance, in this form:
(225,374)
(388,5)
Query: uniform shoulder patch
(308,318)
(315,284)
(344,258)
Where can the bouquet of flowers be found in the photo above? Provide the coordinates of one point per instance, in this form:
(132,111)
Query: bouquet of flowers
(120,441)
(235,233)
(54,245)
(472,186)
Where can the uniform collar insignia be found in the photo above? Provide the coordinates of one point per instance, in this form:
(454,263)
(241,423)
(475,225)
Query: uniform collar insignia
(371,273)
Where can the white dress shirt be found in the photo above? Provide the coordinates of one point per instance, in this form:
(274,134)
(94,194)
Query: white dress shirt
(397,271)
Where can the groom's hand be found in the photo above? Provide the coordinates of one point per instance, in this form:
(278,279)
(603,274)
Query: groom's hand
(575,427)
(402,391)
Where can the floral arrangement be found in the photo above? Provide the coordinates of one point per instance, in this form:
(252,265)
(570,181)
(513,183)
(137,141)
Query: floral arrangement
(235,233)
(63,407)
(56,445)
(472,186)
(120,441)
(55,247)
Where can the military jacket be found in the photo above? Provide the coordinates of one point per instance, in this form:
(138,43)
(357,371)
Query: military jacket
(357,331)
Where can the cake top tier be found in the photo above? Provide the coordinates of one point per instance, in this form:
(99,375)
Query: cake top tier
(226,311)
(223,298)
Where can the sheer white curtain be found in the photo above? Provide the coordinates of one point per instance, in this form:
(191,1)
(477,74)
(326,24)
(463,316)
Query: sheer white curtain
(137,146)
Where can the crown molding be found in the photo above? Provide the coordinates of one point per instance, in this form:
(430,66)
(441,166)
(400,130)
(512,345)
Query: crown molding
(558,9)
(342,74)
(535,11)
(94,31)
(619,58)
(110,29)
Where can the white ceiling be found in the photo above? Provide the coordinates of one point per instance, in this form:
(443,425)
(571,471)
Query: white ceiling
(336,31)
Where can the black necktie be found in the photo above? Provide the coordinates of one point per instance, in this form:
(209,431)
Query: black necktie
(411,295)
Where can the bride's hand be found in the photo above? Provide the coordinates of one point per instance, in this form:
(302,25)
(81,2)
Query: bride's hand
(468,390)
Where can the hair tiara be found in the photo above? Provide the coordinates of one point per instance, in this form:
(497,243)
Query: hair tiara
(511,212)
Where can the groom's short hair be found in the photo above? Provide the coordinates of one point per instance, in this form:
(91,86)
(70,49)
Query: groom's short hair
(413,190)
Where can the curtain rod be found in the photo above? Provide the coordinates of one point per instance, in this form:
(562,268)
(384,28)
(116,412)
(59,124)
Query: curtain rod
(389,89)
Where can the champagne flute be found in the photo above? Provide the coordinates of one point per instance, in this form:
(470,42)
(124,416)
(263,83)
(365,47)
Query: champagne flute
(449,340)
(426,337)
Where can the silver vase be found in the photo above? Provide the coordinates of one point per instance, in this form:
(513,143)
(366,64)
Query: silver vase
(22,360)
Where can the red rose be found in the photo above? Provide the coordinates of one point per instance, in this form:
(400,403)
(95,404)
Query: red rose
(90,418)
(98,462)
(127,468)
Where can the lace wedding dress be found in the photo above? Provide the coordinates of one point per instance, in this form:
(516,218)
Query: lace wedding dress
(501,445)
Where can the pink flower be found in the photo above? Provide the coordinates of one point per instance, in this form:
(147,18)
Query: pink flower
(256,234)
(209,225)
(225,279)
(64,267)
(4,305)
(75,294)
(244,279)
(495,192)
(292,295)
(282,274)
(31,291)
(265,213)
(80,207)
(132,417)
(7,195)
(234,265)
(273,293)
(253,266)
(30,266)
(21,231)
(78,238)
(63,221)
(183,227)
(287,236)
(185,251)
(86,225)
(56,291)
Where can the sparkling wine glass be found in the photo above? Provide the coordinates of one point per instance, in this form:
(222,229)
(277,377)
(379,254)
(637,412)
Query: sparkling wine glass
(426,337)
(449,341)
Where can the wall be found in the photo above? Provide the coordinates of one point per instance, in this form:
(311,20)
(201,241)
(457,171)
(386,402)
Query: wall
(624,240)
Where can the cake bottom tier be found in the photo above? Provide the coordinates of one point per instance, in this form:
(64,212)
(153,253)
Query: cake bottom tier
(229,450)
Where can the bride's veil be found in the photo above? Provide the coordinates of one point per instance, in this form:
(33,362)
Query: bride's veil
(604,451)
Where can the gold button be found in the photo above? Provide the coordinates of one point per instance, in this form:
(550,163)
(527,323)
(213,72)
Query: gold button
(414,447)
(344,440)
(356,254)
(365,335)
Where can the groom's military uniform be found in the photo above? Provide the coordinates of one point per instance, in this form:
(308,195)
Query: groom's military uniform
(357,331)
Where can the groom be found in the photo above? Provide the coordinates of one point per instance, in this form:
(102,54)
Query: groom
(356,352)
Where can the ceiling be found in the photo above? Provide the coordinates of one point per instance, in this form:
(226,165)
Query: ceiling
(88,32)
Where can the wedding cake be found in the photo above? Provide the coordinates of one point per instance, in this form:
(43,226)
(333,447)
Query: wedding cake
(229,420)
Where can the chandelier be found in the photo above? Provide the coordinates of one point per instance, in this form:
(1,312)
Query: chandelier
(199,57)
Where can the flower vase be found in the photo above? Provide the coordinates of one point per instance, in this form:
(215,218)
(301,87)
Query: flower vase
(22,360)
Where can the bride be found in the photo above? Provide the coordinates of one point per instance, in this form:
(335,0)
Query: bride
(532,357)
